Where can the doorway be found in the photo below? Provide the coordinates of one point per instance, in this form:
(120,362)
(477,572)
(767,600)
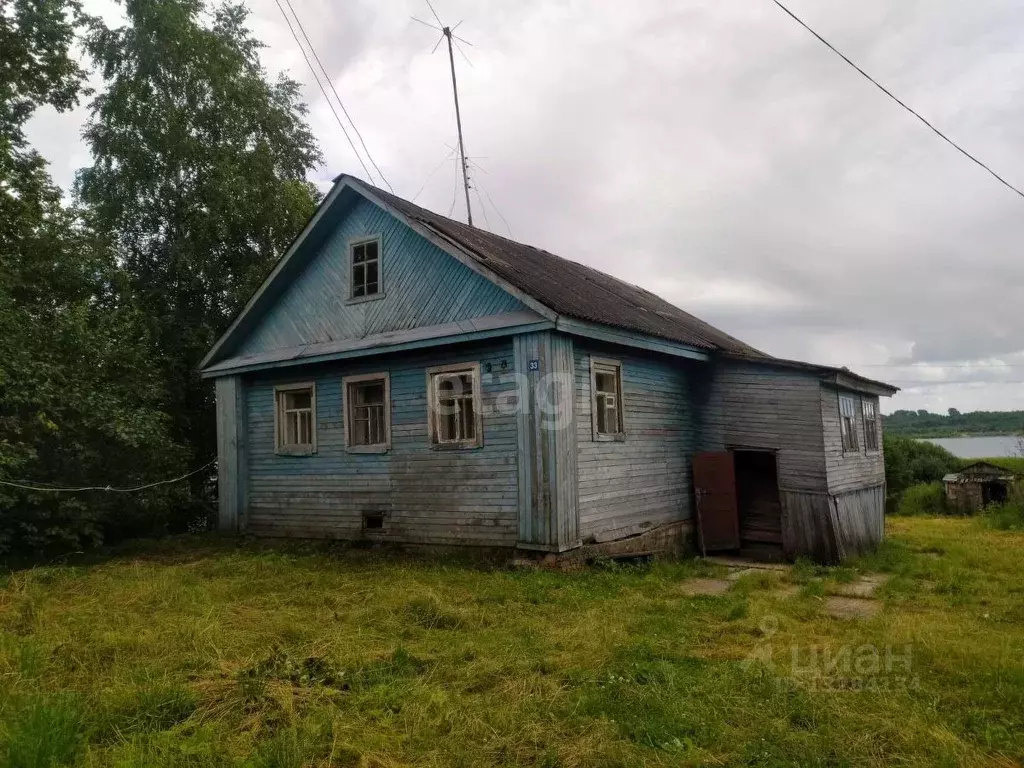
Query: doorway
(757,499)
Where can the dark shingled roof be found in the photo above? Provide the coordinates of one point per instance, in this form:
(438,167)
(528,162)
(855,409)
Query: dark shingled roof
(584,293)
(570,288)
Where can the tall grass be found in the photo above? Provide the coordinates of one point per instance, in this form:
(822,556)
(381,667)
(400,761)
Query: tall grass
(219,654)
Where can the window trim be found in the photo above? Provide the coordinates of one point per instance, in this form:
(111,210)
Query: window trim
(306,449)
(863,415)
(346,410)
(478,426)
(855,448)
(352,243)
(606,365)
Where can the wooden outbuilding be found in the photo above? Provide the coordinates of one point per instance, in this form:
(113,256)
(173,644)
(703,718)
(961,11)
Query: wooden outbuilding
(402,377)
(978,485)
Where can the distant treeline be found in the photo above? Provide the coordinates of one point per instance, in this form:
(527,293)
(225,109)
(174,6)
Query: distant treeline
(953,424)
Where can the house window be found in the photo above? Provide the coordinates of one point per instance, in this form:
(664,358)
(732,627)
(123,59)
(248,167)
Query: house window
(295,418)
(606,401)
(368,412)
(870,425)
(847,422)
(365,261)
(454,409)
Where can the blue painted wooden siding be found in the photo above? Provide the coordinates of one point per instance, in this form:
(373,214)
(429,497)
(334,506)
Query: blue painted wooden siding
(643,481)
(422,286)
(429,496)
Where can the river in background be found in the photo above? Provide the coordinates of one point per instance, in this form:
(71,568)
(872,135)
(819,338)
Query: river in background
(979,447)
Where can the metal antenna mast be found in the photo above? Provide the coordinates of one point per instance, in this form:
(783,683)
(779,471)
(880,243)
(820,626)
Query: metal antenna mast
(447,34)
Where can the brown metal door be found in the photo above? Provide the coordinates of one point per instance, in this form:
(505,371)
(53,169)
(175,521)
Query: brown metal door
(714,484)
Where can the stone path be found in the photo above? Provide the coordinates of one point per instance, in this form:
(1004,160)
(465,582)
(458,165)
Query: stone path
(853,600)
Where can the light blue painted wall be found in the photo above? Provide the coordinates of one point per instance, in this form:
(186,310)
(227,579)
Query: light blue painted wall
(430,496)
(422,286)
(643,481)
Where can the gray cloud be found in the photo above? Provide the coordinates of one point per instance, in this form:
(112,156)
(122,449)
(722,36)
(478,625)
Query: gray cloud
(719,155)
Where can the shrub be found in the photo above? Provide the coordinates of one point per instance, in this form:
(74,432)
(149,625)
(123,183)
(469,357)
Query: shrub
(923,499)
(909,462)
(1007,516)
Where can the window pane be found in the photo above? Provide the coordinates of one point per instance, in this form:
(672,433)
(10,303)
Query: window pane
(467,424)
(358,254)
(447,422)
(613,418)
(358,275)
(298,399)
(371,274)
(606,382)
(602,415)
(376,425)
(361,432)
(291,429)
(370,249)
(369,393)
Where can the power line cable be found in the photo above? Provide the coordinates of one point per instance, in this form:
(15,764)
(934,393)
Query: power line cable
(335,92)
(890,94)
(324,92)
(30,486)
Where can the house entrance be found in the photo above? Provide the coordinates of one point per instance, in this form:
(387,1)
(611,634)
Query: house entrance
(757,499)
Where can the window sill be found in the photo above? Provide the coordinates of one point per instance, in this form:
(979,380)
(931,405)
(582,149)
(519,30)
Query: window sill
(618,437)
(297,451)
(465,446)
(367,448)
(362,299)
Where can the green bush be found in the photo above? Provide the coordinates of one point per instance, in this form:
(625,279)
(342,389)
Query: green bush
(1007,516)
(909,462)
(923,499)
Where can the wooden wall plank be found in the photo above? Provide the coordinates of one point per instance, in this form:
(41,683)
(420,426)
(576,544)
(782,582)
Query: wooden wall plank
(549,511)
(232,454)
(423,286)
(643,481)
(428,496)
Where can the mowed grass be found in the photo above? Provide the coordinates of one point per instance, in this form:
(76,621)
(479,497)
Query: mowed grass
(205,653)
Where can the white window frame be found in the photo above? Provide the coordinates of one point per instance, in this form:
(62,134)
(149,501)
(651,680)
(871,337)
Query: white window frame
(864,403)
(614,367)
(855,448)
(304,449)
(352,244)
(347,404)
(434,376)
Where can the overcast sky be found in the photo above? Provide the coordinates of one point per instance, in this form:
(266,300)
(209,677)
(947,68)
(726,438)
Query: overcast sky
(714,153)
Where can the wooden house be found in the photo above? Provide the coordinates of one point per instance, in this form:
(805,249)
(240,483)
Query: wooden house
(403,377)
(977,485)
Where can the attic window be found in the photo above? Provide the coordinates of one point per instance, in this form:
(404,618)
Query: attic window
(364,261)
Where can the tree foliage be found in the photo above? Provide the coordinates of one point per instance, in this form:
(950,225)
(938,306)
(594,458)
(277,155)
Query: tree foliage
(954,423)
(197,182)
(106,307)
(77,392)
(909,462)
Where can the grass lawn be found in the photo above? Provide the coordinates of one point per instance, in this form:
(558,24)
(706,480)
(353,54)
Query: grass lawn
(203,652)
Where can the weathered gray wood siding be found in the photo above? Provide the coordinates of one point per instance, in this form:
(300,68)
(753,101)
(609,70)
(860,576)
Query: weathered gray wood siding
(232,465)
(548,490)
(428,496)
(856,469)
(643,481)
(744,405)
(858,520)
(856,479)
(777,409)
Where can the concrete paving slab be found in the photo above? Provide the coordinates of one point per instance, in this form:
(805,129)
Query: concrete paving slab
(863,587)
(738,573)
(710,587)
(851,607)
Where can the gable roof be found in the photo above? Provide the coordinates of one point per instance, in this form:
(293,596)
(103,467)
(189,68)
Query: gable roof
(567,287)
(553,286)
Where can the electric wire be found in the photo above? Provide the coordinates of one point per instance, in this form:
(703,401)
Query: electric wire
(32,486)
(892,96)
(335,92)
(324,92)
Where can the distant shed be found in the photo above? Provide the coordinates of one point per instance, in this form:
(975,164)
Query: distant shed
(978,485)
